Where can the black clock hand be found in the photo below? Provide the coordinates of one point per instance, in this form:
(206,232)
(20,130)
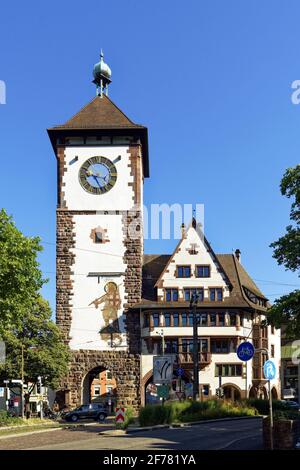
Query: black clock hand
(95,177)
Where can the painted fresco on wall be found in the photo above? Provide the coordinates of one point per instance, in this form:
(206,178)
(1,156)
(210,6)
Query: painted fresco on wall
(111,303)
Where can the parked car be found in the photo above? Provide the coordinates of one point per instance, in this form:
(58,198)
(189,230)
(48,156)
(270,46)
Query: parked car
(292,404)
(289,393)
(96,411)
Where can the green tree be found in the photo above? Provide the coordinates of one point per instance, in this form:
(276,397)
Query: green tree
(25,317)
(286,310)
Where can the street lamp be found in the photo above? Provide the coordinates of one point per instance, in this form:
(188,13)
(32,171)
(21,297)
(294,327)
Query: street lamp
(193,311)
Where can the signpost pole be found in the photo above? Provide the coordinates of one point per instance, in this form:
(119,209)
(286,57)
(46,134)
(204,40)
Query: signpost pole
(193,310)
(246,380)
(271,417)
(269,373)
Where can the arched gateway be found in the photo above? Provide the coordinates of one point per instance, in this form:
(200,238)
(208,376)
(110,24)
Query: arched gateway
(86,365)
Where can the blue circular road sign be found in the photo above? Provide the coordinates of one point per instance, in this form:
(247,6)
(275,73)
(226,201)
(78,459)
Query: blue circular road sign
(245,351)
(269,370)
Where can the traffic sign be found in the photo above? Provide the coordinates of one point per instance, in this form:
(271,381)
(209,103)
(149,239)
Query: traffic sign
(269,370)
(180,371)
(220,392)
(180,395)
(162,369)
(188,388)
(163,391)
(120,415)
(245,351)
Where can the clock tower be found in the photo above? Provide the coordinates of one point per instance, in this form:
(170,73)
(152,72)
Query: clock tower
(102,160)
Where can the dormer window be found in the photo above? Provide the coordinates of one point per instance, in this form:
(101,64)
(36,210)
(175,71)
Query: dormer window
(183,271)
(202,271)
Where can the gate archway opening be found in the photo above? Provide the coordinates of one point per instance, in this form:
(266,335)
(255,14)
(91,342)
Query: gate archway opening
(232,392)
(99,386)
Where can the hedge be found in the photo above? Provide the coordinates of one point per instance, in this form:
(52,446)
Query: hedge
(189,411)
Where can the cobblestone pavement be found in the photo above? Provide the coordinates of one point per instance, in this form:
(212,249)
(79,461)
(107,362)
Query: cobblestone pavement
(50,438)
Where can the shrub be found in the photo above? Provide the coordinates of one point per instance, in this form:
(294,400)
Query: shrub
(287,414)
(190,411)
(262,406)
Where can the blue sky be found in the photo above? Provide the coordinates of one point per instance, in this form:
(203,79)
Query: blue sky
(210,79)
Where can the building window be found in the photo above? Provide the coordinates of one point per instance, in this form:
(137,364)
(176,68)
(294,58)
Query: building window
(171,295)
(232,320)
(188,292)
(272,329)
(187,345)
(203,345)
(175,319)
(272,350)
(203,319)
(146,321)
(212,319)
(221,319)
(216,293)
(97,389)
(205,390)
(183,271)
(171,346)
(202,271)
(184,319)
(109,389)
(228,370)
(167,319)
(219,346)
(155,319)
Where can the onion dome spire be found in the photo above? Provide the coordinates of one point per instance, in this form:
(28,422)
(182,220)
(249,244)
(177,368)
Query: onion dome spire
(102,76)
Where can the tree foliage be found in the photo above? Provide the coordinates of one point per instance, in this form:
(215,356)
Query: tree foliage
(25,317)
(286,310)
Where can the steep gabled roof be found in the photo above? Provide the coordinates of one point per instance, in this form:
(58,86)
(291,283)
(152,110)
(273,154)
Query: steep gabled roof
(101,117)
(155,265)
(202,238)
(100,113)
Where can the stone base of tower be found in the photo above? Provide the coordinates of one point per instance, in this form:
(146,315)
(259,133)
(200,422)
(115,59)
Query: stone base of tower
(124,367)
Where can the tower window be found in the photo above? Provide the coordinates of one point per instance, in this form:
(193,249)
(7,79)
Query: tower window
(98,237)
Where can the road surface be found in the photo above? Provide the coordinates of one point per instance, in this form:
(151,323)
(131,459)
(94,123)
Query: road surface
(244,434)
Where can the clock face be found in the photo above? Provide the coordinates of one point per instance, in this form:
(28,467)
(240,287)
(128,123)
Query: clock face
(97,175)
